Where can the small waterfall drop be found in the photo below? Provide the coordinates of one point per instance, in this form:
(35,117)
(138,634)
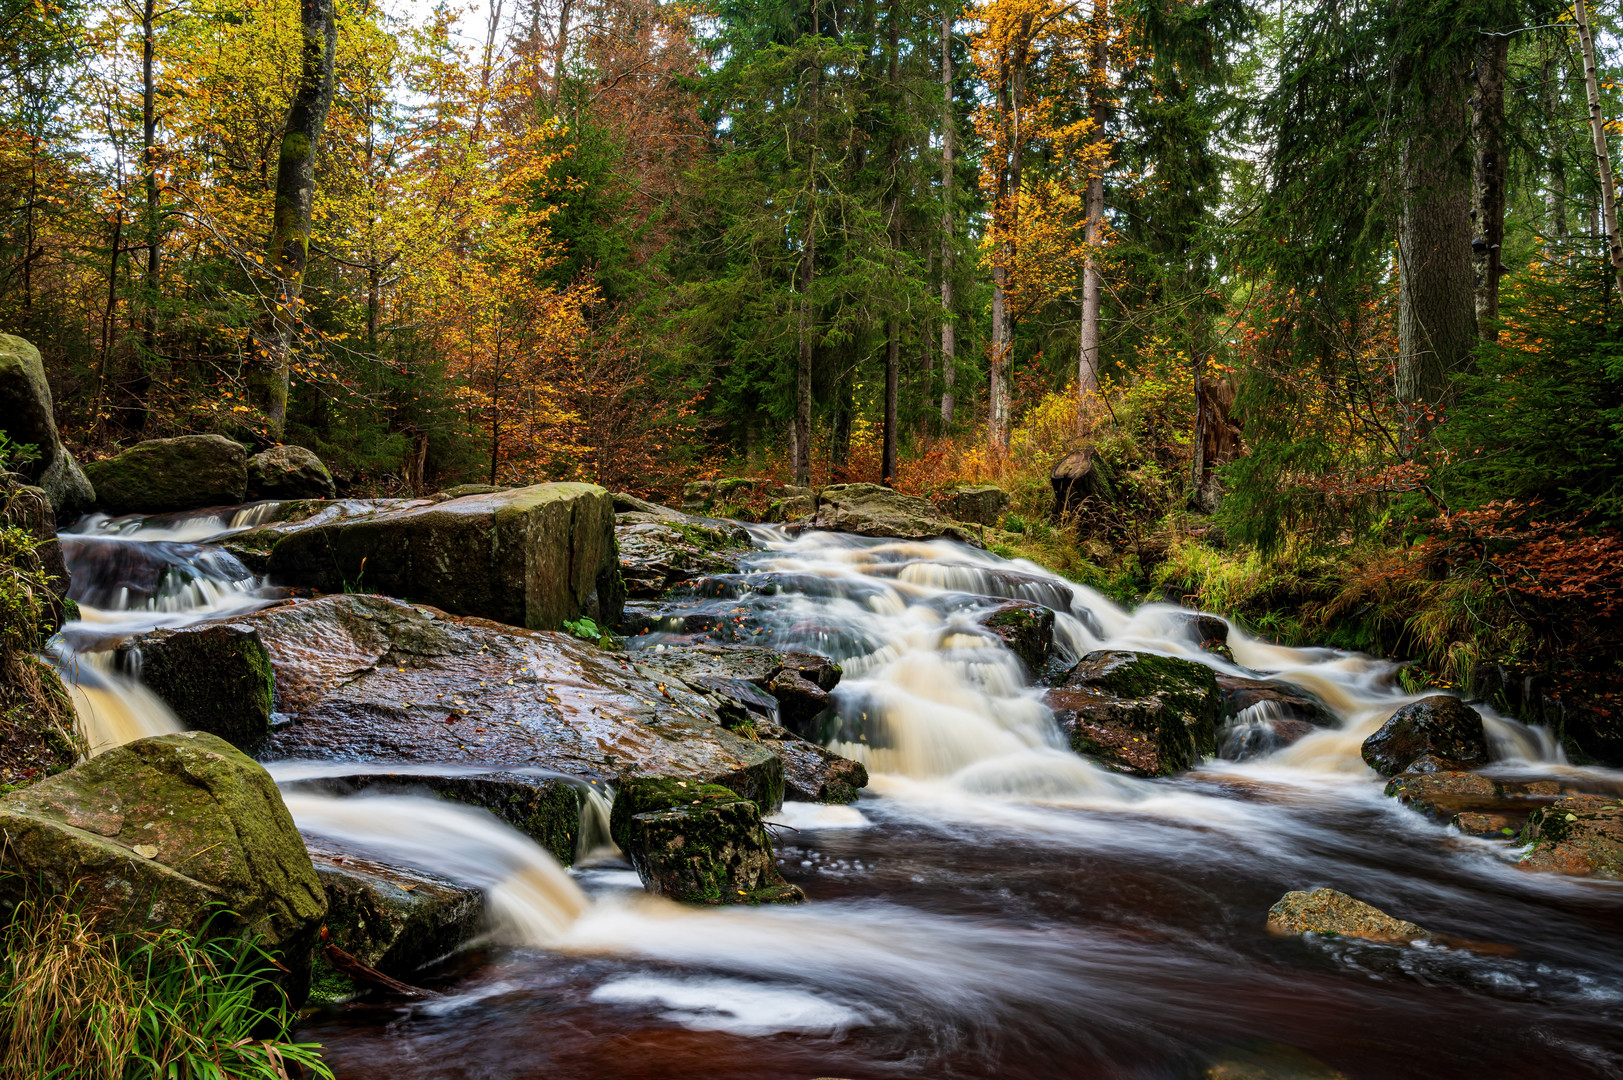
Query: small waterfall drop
(532,900)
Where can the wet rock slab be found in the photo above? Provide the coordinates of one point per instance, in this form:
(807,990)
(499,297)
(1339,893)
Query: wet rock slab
(1327,911)
(1476,804)
(217,678)
(1579,836)
(658,552)
(371,679)
(389,917)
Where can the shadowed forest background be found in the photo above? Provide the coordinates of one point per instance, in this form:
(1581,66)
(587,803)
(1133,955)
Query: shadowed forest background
(1328,295)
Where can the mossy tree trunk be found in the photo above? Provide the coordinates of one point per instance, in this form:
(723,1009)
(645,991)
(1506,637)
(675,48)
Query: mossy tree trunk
(289,249)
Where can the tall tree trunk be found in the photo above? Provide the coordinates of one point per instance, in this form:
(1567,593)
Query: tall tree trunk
(1436,309)
(1556,203)
(1603,158)
(948,344)
(893,326)
(560,47)
(1087,374)
(289,249)
(1488,130)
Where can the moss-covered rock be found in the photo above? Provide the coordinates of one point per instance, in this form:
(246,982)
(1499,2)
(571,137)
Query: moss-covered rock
(1581,836)
(1141,713)
(978,504)
(162,475)
(1026,628)
(27,419)
(289,472)
(531,557)
(41,735)
(388,917)
(697,842)
(215,677)
(1440,728)
(1327,911)
(666,551)
(155,832)
(872,510)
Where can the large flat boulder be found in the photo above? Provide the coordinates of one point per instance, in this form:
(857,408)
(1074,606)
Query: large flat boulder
(375,680)
(531,557)
(873,510)
(162,475)
(1140,713)
(978,504)
(27,419)
(155,832)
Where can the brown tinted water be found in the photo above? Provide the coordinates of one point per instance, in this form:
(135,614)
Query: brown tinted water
(994,906)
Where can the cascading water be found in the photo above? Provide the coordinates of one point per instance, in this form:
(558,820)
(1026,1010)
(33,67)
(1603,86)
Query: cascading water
(995,905)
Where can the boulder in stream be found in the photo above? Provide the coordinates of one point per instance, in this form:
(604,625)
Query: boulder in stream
(531,557)
(1432,734)
(1581,836)
(371,679)
(27,419)
(873,510)
(659,552)
(157,832)
(1140,713)
(1026,628)
(215,677)
(161,475)
(391,918)
(1327,911)
(698,842)
(289,472)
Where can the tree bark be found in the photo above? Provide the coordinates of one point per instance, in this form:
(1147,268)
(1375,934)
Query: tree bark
(289,248)
(1556,202)
(1488,129)
(1436,309)
(893,326)
(1087,375)
(948,343)
(1603,158)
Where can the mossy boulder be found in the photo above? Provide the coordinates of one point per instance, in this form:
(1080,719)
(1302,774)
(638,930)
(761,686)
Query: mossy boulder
(163,475)
(699,843)
(531,557)
(1432,734)
(1026,628)
(1581,836)
(215,677)
(1327,911)
(27,419)
(289,472)
(1140,713)
(157,832)
(872,510)
(978,504)
(388,917)
(656,554)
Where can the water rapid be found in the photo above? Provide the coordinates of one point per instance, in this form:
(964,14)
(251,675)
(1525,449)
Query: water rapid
(994,905)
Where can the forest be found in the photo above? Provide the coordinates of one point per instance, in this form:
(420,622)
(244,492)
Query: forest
(1341,274)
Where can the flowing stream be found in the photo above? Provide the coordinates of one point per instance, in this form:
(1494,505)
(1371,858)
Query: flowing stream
(994,905)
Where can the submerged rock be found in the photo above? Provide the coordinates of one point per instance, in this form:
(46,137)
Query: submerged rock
(698,842)
(1581,835)
(1269,1061)
(872,510)
(27,418)
(978,504)
(215,677)
(1274,698)
(531,557)
(289,472)
(158,831)
(367,678)
(388,917)
(184,473)
(1141,713)
(1440,728)
(1326,911)
(1026,628)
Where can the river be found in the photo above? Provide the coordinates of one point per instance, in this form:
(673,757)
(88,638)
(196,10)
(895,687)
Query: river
(993,905)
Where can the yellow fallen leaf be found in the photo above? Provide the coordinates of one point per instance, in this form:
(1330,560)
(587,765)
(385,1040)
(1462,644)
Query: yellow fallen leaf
(146,851)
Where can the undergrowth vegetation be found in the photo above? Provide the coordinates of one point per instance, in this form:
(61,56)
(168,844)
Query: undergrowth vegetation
(82,1003)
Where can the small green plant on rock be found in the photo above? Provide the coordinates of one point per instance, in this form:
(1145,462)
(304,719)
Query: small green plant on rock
(587,630)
